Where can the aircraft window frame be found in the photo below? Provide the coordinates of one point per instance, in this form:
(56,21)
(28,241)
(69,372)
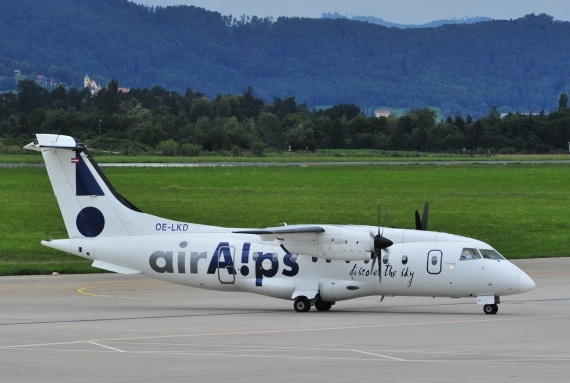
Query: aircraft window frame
(493,256)
(470,254)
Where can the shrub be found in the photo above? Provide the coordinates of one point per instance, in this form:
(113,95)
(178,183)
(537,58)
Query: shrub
(257,148)
(507,151)
(167,147)
(191,149)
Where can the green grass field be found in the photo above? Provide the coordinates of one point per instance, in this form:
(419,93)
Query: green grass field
(522,210)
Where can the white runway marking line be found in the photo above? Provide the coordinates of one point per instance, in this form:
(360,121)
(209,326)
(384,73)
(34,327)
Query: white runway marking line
(512,362)
(382,356)
(110,348)
(60,350)
(249,355)
(292,330)
(289,349)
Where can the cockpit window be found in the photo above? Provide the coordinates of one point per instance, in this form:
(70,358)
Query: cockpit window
(490,254)
(469,254)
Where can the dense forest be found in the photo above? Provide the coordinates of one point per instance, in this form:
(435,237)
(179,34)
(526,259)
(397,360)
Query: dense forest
(142,120)
(516,65)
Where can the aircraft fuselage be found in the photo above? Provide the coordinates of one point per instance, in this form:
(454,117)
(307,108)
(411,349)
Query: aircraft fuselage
(231,262)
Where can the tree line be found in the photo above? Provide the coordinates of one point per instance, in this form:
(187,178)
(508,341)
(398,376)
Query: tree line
(142,120)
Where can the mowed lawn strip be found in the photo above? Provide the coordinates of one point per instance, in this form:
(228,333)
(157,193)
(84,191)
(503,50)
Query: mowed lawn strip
(521,210)
(35,158)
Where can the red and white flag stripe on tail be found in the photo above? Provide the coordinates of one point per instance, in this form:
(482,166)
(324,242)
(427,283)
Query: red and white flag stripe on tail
(74,160)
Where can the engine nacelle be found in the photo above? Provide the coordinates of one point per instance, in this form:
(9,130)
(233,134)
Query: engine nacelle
(336,243)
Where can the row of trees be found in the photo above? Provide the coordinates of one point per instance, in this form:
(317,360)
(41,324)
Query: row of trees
(144,119)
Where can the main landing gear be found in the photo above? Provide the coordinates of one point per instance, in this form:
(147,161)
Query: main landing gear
(490,309)
(323,306)
(303,304)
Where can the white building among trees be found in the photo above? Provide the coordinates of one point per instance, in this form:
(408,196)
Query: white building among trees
(381,113)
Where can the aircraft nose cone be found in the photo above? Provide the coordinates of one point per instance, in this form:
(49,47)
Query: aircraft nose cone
(526,283)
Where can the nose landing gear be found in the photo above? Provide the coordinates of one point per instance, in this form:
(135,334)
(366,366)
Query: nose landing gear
(490,309)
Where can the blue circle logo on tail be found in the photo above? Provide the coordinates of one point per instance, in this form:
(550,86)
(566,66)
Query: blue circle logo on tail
(90,222)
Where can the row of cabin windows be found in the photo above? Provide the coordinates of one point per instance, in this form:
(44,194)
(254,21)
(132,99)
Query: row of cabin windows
(385,259)
(467,254)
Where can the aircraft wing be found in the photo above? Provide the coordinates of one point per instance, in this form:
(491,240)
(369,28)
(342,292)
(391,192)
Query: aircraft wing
(294,229)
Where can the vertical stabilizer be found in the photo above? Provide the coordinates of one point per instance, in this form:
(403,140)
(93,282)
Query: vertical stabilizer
(90,206)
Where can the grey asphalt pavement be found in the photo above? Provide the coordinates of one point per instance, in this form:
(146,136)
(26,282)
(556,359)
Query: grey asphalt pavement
(116,328)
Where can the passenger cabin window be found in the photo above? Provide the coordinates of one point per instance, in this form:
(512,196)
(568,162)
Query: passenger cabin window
(491,254)
(469,254)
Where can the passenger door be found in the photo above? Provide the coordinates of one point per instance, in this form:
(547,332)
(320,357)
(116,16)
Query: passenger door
(226,273)
(434,261)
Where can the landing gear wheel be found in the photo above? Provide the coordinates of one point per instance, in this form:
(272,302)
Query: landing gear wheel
(490,309)
(302,305)
(323,306)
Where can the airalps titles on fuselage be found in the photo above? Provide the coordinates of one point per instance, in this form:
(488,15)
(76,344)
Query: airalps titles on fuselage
(222,259)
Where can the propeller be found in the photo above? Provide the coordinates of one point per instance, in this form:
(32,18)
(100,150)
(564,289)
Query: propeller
(380,242)
(421,224)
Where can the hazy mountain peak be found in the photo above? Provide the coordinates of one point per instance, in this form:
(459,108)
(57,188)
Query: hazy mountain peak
(431,24)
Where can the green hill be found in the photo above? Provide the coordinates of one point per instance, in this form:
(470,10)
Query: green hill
(514,65)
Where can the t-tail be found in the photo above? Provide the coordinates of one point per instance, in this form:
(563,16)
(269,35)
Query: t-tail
(89,204)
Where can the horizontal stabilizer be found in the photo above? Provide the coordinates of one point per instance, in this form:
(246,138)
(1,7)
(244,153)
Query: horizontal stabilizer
(295,229)
(33,146)
(113,268)
(56,141)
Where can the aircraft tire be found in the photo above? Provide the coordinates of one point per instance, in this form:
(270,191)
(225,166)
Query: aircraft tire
(490,309)
(302,305)
(323,306)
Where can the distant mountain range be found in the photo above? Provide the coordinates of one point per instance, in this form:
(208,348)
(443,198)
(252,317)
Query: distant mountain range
(431,24)
(520,64)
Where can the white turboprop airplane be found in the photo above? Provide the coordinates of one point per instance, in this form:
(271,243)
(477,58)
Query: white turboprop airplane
(309,264)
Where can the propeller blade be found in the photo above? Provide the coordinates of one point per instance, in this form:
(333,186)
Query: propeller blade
(378,217)
(380,263)
(418,221)
(385,221)
(425,216)
(377,255)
